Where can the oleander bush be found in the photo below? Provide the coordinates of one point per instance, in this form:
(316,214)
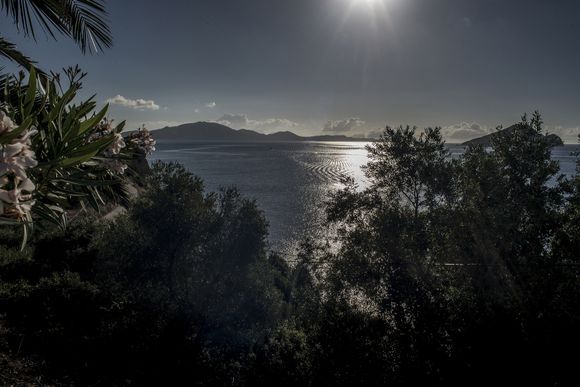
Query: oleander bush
(57,154)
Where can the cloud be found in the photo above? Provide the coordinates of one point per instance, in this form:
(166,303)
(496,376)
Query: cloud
(241,121)
(567,134)
(236,121)
(465,131)
(273,124)
(466,21)
(210,105)
(137,104)
(343,125)
(374,134)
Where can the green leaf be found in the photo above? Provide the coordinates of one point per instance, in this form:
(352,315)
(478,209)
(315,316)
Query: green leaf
(70,161)
(86,125)
(30,93)
(62,101)
(87,182)
(8,221)
(120,127)
(95,146)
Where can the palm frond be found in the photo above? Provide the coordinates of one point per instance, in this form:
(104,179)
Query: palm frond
(10,52)
(81,20)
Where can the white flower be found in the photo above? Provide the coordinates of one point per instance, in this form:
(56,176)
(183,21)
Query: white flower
(115,165)
(118,144)
(6,124)
(105,126)
(102,129)
(143,140)
(15,158)
(17,202)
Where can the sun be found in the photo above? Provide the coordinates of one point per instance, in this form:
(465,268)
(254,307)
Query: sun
(369,3)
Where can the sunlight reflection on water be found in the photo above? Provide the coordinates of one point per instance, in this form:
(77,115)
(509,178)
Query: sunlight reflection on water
(290,181)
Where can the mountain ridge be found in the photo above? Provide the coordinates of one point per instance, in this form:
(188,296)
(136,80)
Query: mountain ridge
(213,131)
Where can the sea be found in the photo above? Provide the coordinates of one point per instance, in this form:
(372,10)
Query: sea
(291,181)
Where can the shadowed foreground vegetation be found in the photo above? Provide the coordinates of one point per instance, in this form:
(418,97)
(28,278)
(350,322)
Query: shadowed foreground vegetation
(442,272)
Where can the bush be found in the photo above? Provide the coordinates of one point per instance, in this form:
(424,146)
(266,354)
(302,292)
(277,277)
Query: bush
(181,285)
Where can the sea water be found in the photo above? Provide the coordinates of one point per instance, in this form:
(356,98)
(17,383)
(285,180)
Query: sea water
(290,181)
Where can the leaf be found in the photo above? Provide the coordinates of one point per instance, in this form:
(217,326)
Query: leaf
(59,106)
(87,182)
(85,125)
(120,127)
(95,146)
(24,236)
(30,97)
(8,221)
(9,51)
(52,214)
(81,20)
(70,161)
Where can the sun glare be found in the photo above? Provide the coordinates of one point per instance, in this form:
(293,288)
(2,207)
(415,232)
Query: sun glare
(369,2)
(374,5)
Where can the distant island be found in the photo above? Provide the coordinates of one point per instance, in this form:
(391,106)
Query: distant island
(551,139)
(213,131)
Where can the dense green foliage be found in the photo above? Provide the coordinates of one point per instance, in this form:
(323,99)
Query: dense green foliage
(441,272)
(450,271)
(57,155)
(178,286)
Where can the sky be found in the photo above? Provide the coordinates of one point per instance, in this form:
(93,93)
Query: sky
(333,66)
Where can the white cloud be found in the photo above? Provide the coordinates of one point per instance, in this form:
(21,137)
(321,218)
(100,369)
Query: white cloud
(241,121)
(569,135)
(210,105)
(138,104)
(342,126)
(375,134)
(236,121)
(469,130)
(465,131)
(276,124)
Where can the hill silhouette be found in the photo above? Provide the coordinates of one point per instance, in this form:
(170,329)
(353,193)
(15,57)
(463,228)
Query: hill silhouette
(213,131)
(551,139)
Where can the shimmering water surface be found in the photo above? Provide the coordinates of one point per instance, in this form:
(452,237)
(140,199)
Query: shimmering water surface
(290,181)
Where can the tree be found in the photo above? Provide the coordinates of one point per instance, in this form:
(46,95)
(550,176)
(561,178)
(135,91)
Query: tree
(380,280)
(80,20)
(407,168)
(451,269)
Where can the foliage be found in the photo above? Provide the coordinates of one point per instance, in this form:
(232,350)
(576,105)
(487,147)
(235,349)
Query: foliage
(180,285)
(464,268)
(74,158)
(80,20)
(440,272)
